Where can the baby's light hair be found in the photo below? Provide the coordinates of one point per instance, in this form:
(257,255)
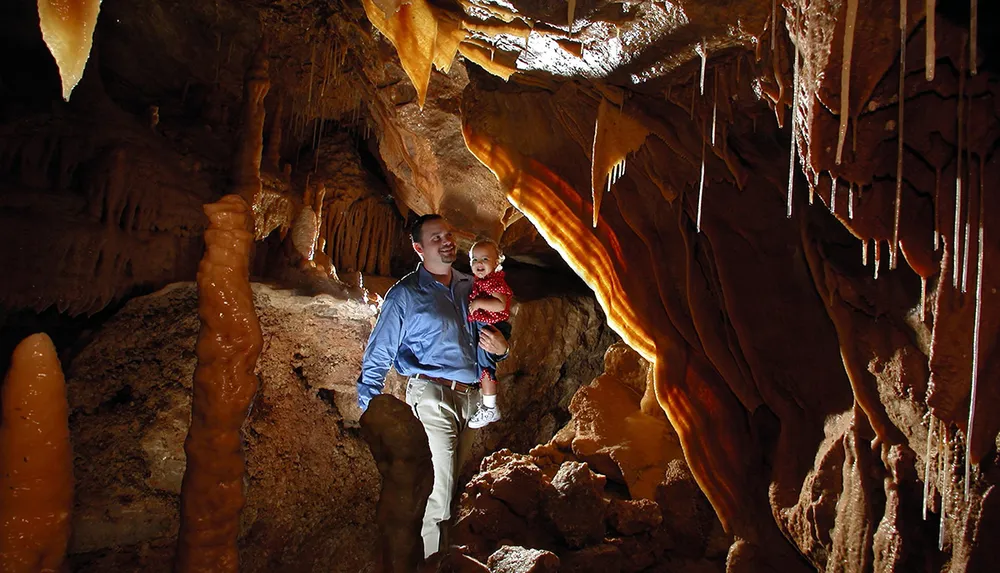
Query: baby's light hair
(500,255)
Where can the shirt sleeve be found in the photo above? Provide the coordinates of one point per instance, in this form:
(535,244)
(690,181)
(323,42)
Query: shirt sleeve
(383,344)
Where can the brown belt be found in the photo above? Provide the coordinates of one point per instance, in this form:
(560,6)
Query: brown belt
(460,387)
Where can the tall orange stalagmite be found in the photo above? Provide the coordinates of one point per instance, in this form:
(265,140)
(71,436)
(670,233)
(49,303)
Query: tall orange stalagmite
(224,386)
(36,461)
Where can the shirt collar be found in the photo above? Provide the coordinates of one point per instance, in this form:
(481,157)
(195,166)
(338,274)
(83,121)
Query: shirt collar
(425,279)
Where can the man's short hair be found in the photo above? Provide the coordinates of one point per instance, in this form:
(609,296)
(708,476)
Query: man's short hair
(417,229)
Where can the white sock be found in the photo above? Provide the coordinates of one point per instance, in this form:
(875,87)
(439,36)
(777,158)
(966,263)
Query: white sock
(490,401)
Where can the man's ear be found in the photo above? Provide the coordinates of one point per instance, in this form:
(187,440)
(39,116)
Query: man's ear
(419,250)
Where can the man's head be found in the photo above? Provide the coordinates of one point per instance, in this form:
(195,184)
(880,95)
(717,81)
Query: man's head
(433,241)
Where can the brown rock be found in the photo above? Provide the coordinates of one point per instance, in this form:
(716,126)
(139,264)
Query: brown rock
(629,517)
(597,559)
(399,445)
(512,559)
(577,511)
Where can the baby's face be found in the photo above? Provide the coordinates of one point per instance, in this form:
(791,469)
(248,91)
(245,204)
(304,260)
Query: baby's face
(483,260)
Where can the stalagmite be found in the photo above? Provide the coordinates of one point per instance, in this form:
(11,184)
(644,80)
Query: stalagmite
(224,386)
(701,184)
(68,30)
(36,481)
(894,253)
(703,52)
(927,462)
(975,339)
(616,134)
(399,445)
(845,75)
(930,54)
(974,35)
(795,106)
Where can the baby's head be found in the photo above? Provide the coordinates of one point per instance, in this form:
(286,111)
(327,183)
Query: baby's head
(485,257)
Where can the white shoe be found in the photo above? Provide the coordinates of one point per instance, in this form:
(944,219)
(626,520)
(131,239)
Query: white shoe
(484,416)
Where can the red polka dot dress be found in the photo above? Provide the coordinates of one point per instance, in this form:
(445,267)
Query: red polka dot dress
(493,283)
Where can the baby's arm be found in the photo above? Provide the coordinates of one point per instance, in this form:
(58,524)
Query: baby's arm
(489,301)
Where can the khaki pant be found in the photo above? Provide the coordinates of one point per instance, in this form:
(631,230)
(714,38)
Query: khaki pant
(444,414)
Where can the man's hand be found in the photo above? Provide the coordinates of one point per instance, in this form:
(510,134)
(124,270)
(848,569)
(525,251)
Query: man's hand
(492,341)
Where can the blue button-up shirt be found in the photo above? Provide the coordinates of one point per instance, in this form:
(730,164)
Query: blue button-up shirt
(423,328)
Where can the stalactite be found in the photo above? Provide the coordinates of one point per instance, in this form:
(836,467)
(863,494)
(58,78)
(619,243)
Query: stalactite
(937,208)
(833,194)
(894,253)
(774,26)
(68,31)
(956,237)
(927,462)
(878,256)
(945,489)
(272,155)
(36,481)
(228,344)
(246,162)
(616,134)
(930,54)
(570,12)
(703,52)
(795,106)
(850,201)
(701,184)
(974,35)
(715,102)
(974,384)
(845,75)
(864,252)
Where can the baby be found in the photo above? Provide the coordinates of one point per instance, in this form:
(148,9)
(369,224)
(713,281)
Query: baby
(489,303)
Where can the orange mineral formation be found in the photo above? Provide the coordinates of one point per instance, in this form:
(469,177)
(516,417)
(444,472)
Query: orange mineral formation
(68,30)
(36,462)
(224,386)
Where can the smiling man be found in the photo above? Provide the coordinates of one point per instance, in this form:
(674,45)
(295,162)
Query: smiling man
(423,330)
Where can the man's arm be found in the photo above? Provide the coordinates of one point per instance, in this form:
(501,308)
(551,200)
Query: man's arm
(383,344)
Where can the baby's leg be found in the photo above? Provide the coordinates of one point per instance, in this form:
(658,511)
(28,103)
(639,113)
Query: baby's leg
(488,384)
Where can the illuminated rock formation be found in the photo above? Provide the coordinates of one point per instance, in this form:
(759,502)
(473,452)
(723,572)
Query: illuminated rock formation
(36,481)
(224,387)
(68,30)
(399,445)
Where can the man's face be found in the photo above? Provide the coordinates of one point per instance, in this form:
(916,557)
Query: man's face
(436,246)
